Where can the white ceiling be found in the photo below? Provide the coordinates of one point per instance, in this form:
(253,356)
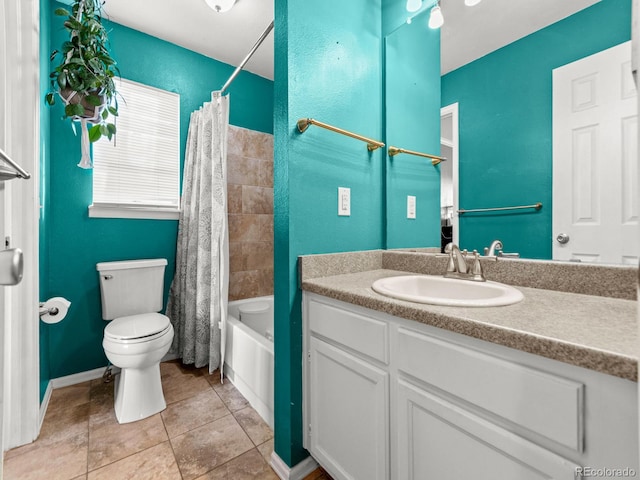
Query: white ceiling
(227,37)
(468,33)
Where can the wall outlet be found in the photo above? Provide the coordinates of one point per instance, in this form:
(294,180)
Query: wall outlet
(411,206)
(344,201)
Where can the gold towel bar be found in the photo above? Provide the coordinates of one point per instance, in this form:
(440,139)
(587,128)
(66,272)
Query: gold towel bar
(304,123)
(435,160)
(537,206)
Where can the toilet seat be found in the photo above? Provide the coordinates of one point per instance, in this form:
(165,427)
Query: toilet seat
(254,307)
(144,327)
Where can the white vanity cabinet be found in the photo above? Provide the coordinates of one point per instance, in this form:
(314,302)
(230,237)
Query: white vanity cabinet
(386,397)
(347,393)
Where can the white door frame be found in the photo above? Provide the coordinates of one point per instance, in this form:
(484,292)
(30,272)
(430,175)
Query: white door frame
(452,110)
(635,64)
(20,137)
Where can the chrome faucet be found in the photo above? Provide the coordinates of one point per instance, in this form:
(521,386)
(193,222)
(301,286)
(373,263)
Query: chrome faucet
(457,262)
(457,266)
(491,251)
(495,250)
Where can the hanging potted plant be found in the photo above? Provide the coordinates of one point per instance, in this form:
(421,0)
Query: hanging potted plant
(84,76)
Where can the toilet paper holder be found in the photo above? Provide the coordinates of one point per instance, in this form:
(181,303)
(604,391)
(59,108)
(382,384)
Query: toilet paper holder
(51,311)
(54,310)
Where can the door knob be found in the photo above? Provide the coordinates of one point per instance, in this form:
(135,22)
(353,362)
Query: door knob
(10,266)
(562,238)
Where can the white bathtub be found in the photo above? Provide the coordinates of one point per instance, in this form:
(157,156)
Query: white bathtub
(249,352)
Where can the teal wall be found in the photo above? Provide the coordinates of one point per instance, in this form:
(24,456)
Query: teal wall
(45,137)
(505,112)
(328,65)
(412,113)
(74,242)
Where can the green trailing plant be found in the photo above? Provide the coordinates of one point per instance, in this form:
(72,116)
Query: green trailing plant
(84,76)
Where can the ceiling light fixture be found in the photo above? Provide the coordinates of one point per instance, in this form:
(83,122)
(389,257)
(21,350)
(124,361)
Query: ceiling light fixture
(436,20)
(413,5)
(220,6)
(471,3)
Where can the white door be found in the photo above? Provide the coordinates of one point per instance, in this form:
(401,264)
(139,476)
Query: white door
(3,316)
(4,211)
(595,151)
(20,138)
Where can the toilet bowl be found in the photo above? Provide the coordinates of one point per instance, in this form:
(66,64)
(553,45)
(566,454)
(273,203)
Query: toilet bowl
(138,351)
(137,337)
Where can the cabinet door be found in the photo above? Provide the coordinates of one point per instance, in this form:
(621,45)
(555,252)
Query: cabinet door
(441,441)
(348,414)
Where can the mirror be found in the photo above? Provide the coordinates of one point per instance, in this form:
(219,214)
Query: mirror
(506,138)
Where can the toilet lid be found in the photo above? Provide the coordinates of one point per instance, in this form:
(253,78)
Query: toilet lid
(137,326)
(254,307)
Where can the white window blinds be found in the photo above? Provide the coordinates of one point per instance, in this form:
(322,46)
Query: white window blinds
(142,167)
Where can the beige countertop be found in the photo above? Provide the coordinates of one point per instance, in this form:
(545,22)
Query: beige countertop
(594,332)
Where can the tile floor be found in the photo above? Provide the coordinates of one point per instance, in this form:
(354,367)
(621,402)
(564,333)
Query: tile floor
(207,432)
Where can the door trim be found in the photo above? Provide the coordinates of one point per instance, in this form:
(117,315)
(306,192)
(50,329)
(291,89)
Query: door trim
(452,110)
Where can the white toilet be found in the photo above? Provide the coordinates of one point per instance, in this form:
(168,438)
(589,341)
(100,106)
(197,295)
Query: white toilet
(137,337)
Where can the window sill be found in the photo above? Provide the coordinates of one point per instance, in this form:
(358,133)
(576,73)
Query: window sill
(148,213)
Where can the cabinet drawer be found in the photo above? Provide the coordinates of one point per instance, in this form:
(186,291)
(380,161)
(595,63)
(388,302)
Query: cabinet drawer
(362,334)
(548,405)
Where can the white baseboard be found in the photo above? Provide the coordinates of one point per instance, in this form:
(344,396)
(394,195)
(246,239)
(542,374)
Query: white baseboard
(44,404)
(80,377)
(298,472)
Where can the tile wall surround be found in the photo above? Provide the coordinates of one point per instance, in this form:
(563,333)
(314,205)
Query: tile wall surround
(615,281)
(250,206)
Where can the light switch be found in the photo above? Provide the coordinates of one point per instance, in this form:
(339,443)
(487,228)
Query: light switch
(344,201)
(411,206)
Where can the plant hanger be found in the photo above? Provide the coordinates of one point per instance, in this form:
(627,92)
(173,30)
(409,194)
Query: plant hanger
(84,77)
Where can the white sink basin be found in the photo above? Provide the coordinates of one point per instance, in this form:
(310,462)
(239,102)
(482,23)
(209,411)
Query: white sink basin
(437,290)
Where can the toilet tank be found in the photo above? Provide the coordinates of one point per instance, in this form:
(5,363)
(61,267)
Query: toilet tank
(131,287)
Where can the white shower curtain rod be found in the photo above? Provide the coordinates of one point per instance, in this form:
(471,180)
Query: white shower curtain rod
(246,59)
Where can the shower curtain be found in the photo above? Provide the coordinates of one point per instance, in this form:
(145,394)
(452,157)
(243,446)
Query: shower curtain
(199,292)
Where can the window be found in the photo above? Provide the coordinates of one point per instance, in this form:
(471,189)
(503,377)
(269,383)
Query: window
(138,174)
